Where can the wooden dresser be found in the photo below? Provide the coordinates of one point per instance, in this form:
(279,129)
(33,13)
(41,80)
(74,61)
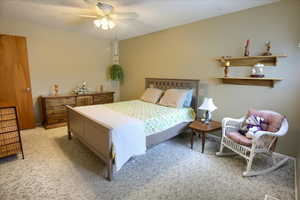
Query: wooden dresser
(54,112)
(10,138)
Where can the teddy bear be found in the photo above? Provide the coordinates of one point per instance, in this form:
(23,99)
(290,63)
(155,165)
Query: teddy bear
(251,126)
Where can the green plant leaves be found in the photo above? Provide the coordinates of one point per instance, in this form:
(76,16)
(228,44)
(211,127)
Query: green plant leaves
(116,72)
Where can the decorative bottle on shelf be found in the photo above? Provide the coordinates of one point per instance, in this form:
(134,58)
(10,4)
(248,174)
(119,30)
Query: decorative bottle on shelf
(247,52)
(268,49)
(226,70)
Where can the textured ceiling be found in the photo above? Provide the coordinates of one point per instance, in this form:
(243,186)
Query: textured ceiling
(153,15)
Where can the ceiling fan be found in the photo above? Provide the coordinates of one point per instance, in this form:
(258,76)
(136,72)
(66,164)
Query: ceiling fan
(105,16)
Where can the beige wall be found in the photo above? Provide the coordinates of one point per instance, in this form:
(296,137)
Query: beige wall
(189,51)
(65,58)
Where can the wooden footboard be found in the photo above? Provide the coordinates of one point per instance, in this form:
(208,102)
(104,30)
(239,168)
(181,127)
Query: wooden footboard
(94,135)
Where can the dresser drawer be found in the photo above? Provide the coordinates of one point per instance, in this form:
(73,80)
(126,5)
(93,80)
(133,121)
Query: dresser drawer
(8,129)
(56,118)
(52,102)
(9,138)
(10,149)
(101,99)
(8,123)
(84,100)
(7,117)
(56,109)
(6,111)
(7,114)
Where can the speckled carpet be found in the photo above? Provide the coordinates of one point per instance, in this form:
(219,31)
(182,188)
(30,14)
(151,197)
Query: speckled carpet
(56,168)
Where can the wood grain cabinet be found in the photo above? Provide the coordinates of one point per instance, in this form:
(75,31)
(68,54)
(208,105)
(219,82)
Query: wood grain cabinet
(10,138)
(54,112)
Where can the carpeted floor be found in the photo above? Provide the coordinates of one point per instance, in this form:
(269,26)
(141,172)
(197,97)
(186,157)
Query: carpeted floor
(56,168)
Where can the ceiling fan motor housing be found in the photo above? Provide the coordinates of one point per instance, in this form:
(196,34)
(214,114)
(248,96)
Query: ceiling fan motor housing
(105,7)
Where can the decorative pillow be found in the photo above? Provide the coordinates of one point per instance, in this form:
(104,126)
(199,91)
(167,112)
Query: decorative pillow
(152,95)
(273,120)
(239,138)
(174,98)
(188,99)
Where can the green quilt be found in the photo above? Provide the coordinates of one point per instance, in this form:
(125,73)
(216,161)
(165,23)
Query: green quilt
(156,118)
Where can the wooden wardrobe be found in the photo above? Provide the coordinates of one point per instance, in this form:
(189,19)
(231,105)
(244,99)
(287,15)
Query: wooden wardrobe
(15,86)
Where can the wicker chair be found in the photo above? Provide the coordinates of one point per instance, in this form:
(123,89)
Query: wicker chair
(263,142)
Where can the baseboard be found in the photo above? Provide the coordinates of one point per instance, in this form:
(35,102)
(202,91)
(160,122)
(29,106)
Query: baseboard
(296,179)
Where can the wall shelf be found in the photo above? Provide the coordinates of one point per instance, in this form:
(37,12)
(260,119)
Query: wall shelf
(250,60)
(268,82)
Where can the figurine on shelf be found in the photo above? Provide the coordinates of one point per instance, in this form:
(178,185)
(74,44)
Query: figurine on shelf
(82,89)
(226,69)
(257,71)
(55,89)
(268,46)
(247,52)
(101,88)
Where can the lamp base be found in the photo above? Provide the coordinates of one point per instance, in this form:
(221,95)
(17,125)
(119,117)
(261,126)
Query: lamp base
(207,117)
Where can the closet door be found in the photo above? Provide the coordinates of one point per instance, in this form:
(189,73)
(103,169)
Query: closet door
(15,86)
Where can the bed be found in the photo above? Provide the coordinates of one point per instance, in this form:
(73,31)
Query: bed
(92,125)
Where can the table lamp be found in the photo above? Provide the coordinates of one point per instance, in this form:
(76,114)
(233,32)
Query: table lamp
(208,106)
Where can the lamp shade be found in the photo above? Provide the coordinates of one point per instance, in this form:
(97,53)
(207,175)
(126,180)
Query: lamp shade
(208,105)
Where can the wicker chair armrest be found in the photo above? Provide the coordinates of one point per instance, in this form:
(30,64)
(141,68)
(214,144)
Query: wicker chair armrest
(260,134)
(232,122)
(282,131)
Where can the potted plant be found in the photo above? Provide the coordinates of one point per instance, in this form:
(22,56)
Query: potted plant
(116,72)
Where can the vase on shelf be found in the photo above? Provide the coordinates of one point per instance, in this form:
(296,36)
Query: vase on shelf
(246,51)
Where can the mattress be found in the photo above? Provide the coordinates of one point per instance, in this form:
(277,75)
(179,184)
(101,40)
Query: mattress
(156,118)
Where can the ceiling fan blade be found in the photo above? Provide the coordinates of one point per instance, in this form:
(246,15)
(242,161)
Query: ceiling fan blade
(90,2)
(89,16)
(61,3)
(99,11)
(139,2)
(124,15)
(123,2)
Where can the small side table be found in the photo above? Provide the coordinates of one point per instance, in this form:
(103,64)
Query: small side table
(201,129)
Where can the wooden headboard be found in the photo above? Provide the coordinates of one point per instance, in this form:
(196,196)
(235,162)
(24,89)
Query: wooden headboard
(165,83)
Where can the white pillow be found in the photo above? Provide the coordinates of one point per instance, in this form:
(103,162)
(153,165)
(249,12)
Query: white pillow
(174,98)
(152,95)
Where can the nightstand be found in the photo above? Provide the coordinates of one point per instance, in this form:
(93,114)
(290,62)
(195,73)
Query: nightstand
(201,129)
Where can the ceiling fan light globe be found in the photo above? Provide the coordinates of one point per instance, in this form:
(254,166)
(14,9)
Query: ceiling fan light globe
(105,26)
(97,23)
(104,20)
(111,24)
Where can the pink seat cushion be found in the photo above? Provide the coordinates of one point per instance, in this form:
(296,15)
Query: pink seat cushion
(273,120)
(239,138)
